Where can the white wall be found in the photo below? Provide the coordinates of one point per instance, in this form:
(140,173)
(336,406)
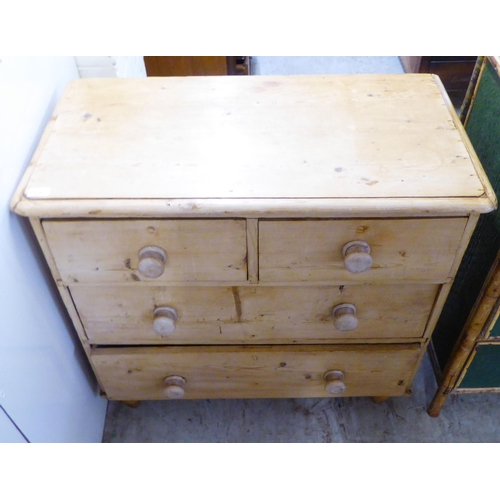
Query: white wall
(111,66)
(8,431)
(46,385)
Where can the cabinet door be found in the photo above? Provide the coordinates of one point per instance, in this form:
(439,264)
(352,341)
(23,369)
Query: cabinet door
(186,65)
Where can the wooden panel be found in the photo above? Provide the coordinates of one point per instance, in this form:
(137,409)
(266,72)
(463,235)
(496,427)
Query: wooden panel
(261,207)
(306,136)
(254,372)
(401,249)
(108,250)
(269,315)
(185,65)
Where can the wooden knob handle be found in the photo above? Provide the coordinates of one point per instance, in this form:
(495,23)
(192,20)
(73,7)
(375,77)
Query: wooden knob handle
(174,387)
(164,322)
(334,382)
(152,262)
(357,258)
(345,317)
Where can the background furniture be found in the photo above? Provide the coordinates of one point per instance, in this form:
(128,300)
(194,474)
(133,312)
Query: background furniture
(314,265)
(197,65)
(466,342)
(455,72)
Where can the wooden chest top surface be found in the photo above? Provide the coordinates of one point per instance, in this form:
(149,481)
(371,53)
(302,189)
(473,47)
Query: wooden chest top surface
(330,138)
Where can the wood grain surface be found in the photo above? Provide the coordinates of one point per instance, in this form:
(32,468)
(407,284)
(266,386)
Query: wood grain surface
(401,249)
(265,315)
(254,372)
(108,251)
(352,136)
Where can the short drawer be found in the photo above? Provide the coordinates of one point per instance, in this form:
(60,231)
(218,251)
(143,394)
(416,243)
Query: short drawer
(148,250)
(265,315)
(398,249)
(254,372)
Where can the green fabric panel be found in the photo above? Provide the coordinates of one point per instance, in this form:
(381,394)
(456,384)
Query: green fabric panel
(483,129)
(484,371)
(495,331)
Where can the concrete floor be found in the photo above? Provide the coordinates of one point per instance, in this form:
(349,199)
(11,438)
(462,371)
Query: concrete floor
(468,418)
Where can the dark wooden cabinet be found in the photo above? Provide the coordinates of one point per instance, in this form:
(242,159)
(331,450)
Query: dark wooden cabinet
(196,65)
(454,71)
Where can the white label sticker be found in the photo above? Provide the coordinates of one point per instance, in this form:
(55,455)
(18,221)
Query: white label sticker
(38,192)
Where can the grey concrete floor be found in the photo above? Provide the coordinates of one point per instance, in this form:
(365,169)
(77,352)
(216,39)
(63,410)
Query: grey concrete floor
(464,419)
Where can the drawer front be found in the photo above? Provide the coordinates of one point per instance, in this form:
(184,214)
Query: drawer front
(400,249)
(109,250)
(253,372)
(271,315)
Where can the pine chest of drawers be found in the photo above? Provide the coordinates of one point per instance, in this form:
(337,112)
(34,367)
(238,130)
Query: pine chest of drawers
(254,237)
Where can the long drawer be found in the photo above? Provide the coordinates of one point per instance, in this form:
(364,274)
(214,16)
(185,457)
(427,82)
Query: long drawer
(270,315)
(173,250)
(253,372)
(399,249)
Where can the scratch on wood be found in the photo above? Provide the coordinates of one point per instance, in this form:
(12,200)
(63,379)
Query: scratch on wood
(237,302)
